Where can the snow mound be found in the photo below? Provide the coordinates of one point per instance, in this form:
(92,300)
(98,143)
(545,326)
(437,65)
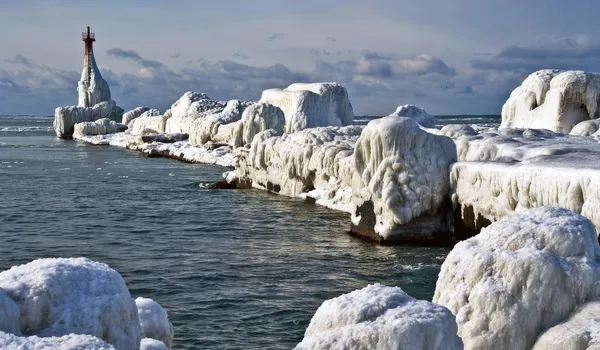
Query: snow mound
(132,114)
(143,125)
(99,127)
(9,315)
(586,128)
(95,90)
(154,321)
(67,342)
(404,173)
(455,131)
(152,344)
(189,107)
(418,114)
(553,99)
(57,297)
(256,119)
(207,128)
(311,105)
(520,276)
(504,171)
(65,118)
(581,331)
(380,317)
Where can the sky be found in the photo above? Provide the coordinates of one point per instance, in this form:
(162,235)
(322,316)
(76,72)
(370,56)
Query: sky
(449,57)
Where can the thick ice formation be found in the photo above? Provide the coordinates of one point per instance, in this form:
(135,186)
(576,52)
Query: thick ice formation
(99,127)
(553,99)
(68,342)
(154,321)
(65,118)
(380,317)
(404,173)
(132,114)
(418,114)
(152,344)
(256,119)
(61,296)
(206,128)
(501,172)
(9,315)
(311,105)
(581,331)
(92,88)
(189,107)
(586,128)
(519,277)
(148,124)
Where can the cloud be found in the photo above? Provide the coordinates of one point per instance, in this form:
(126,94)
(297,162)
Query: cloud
(319,53)
(241,55)
(19,60)
(276,36)
(175,56)
(331,39)
(134,56)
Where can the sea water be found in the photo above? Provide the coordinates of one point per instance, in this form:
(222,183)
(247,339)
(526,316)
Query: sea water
(233,268)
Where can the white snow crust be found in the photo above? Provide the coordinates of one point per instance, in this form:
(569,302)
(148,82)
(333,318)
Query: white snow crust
(152,344)
(189,107)
(519,277)
(418,114)
(65,118)
(148,124)
(154,321)
(206,128)
(132,114)
(553,99)
(67,342)
(58,297)
(504,171)
(581,331)
(380,317)
(311,105)
(404,171)
(256,119)
(94,91)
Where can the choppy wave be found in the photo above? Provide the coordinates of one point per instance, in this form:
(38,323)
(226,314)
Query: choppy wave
(25,129)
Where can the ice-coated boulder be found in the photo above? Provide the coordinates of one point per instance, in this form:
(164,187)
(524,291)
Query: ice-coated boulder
(404,174)
(152,344)
(380,317)
(99,127)
(132,114)
(206,128)
(581,331)
(9,315)
(65,118)
(189,107)
(553,99)
(586,128)
(143,125)
(418,114)
(257,118)
(311,105)
(59,296)
(520,276)
(67,342)
(154,321)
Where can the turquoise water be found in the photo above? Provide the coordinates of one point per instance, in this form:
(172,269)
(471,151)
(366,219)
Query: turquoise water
(233,268)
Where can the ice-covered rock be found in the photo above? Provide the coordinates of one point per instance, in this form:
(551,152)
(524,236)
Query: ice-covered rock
(404,176)
(65,118)
(586,128)
(148,125)
(255,119)
(9,315)
(418,114)
(132,114)
(311,105)
(152,344)
(581,331)
(154,321)
(189,107)
(520,276)
(380,317)
(99,127)
(57,297)
(205,129)
(67,342)
(504,171)
(553,99)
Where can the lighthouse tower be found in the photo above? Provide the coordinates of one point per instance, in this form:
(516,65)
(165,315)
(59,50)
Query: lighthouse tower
(92,88)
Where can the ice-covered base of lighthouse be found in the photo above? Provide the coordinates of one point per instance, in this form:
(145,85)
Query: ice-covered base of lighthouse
(92,88)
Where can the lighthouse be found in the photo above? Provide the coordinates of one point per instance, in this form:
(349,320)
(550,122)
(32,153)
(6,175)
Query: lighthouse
(92,88)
